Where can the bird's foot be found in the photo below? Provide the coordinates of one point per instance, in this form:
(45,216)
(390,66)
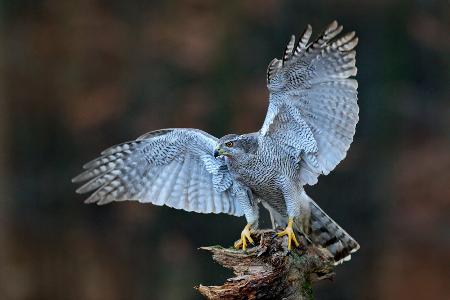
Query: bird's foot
(245,236)
(289,231)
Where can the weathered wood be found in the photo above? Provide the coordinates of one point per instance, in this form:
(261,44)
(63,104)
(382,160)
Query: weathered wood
(269,270)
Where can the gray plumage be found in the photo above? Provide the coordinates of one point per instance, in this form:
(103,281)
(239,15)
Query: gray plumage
(307,131)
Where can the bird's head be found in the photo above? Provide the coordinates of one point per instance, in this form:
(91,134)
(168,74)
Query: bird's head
(232,145)
(228,146)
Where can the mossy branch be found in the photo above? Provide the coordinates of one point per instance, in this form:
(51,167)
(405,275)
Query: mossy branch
(269,270)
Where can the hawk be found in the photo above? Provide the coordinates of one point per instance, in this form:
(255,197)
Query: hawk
(307,131)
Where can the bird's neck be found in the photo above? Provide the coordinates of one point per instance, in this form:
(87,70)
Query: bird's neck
(239,162)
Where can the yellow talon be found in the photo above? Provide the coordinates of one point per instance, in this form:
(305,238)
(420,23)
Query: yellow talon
(290,233)
(245,235)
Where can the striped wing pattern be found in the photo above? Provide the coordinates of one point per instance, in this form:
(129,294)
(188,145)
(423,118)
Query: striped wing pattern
(311,89)
(173,167)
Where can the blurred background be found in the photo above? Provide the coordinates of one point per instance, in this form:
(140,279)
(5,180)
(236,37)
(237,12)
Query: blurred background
(79,76)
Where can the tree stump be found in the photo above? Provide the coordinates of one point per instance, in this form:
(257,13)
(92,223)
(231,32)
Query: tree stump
(269,271)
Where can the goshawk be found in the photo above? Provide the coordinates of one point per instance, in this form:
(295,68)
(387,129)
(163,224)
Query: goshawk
(307,131)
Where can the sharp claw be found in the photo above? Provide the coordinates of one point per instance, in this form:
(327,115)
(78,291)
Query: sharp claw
(245,236)
(290,235)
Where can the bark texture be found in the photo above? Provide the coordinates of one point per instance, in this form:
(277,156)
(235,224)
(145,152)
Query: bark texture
(269,270)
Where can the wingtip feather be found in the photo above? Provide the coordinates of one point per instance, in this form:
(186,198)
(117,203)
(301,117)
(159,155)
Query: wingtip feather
(79,178)
(331,27)
(289,49)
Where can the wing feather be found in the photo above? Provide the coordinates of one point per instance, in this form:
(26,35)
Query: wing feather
(173,167)
(313,87)
(304,39)
(288,52)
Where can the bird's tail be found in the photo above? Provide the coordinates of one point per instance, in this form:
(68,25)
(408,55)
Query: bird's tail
(324,231)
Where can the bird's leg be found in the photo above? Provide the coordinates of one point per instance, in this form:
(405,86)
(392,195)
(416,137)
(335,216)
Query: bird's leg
(251,212)
(289,231)
(245,236)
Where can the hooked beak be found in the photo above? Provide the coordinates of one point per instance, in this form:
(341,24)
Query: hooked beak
(218,152)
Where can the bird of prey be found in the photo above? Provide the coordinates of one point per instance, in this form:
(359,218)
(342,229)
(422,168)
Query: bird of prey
(307,131)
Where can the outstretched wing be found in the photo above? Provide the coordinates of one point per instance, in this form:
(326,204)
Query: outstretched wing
(313,107)
(173,167)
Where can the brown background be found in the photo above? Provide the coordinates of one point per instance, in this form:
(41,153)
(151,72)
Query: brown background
(79,76)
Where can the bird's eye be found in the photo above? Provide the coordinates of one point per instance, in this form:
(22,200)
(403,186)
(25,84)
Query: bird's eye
(229,144)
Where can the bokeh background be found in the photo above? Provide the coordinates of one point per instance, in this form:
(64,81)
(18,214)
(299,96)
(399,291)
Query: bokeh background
(79,76)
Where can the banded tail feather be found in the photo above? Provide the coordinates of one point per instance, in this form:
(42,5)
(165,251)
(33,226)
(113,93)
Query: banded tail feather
(321,230)
(324,231)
